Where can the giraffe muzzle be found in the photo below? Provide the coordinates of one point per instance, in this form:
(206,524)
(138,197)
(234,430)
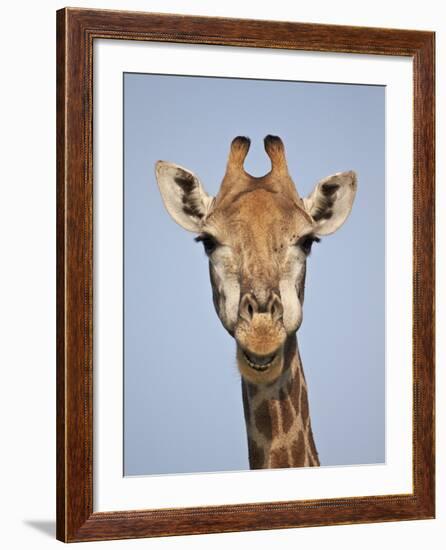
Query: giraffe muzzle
(257,368)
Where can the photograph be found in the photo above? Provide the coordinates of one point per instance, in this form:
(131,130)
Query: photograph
(254,274)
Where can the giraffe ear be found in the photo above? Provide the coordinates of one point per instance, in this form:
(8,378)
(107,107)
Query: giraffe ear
(183,195)
(331,201)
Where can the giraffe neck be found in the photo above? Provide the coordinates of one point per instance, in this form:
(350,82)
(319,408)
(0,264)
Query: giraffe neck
(277,417)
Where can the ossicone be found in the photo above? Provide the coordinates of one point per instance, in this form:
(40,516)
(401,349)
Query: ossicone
(237,154)
(276,151)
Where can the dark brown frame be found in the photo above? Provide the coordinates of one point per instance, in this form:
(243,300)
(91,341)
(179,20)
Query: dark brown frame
(76,31)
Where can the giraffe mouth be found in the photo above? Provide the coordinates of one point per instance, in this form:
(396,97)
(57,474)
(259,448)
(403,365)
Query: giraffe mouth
(259,363)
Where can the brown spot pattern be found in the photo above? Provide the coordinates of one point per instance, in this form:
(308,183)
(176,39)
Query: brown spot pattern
(256,455)
(263,420)
(289,353)
(304,406)
(275,414)
(294,391)
(310,459)
(279,458)
(313,447)
(287,415)
(252,389)
(246,408)
(298,450)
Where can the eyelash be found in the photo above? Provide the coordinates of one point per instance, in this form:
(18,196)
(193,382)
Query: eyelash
(209,243)
(306,243)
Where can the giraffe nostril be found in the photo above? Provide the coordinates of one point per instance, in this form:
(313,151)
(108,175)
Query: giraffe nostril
(250,311)
(248,307)
(275,307)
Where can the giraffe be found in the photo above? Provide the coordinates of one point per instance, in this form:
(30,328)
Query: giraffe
(257,233)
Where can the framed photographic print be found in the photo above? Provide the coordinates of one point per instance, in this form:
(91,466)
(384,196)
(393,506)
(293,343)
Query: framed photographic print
(245,275)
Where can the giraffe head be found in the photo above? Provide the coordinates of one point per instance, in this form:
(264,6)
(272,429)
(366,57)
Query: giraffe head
(257,233)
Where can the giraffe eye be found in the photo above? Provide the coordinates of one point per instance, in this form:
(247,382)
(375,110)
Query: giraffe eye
(209,243)
(307,242)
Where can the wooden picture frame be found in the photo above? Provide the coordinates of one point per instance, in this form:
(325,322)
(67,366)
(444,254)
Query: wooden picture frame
(76,31)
